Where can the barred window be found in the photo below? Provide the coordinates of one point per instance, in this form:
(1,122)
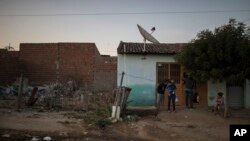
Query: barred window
(168,71)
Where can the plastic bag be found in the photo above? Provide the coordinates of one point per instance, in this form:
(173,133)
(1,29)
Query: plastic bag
(176,99)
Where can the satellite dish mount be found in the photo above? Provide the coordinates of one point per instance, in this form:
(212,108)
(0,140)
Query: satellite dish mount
(147,36)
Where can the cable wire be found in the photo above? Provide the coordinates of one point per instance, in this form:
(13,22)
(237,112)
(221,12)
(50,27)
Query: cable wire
(127,13)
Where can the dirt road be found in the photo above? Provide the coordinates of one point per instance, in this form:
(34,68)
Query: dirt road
(184,125)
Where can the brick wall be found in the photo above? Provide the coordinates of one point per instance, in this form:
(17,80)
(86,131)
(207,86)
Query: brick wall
(38,62)
(105,76)
(8,66)
(105,72)
(109,59)
(43,63)
(77,62)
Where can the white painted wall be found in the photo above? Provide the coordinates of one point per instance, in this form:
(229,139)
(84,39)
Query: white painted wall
(140,74)
(138,70)
(213,87)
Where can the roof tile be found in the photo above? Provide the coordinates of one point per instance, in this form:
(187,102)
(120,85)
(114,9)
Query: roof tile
(150,48)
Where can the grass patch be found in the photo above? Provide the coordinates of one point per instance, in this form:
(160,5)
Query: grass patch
(98,116)
(75,115)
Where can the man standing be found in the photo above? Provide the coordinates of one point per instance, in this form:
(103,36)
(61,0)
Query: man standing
(189,84)
(171,94)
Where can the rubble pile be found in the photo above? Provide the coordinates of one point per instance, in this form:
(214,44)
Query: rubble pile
(56,96)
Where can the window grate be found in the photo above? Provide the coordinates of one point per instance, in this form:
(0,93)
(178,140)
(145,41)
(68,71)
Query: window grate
(168,71)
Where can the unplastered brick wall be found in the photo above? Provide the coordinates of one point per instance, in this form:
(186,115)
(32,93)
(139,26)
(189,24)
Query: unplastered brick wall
(77,62)
(38,62)
(105,77)
(105,72)
(8,66)
(44,63)
(109,59)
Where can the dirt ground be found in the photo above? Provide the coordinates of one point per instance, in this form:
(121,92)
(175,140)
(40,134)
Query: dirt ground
(199,124)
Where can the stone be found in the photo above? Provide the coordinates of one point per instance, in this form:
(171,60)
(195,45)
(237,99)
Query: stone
(6,135)
(35,139)
(47,138)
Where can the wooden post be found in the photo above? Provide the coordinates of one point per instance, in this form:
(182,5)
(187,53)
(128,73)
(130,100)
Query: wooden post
(20,89)
(122,79)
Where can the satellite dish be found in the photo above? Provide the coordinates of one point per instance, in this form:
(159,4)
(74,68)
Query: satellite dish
(146,35)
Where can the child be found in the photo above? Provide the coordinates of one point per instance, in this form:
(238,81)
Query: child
(171,94)
(219,103)
(160,92)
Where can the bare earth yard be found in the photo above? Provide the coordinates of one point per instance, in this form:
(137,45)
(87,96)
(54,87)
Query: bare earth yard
(184,125)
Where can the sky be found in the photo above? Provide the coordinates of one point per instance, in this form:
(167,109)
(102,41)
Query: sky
(107,22)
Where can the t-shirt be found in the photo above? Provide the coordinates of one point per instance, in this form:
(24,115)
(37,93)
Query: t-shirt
(161,88)
(171,88)
(189,83)
(219,100)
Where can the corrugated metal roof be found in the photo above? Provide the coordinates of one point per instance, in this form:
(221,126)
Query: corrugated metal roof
(150,48)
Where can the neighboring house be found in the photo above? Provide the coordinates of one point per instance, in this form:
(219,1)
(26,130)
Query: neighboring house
(238,93)
(144,70)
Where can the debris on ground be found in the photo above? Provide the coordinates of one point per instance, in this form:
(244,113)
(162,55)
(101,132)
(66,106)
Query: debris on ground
(131,118)
(35,139)
(6,135)
(47,138)
(55,96)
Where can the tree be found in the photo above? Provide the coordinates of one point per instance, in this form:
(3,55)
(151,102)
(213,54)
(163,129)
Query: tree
(222,54)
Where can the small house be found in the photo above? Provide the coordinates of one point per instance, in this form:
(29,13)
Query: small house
(145,65)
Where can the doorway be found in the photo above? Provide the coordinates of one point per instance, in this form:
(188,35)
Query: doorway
(235,96)
(165,71)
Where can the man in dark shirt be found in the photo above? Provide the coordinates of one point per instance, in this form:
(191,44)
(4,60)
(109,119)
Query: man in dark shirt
(189,84)
(160,92)
(171,94)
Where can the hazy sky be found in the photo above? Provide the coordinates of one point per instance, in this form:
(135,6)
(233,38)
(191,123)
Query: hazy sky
(107,22)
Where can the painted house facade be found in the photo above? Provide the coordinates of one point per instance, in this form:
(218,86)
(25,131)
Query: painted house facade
(238,93)
(144,69)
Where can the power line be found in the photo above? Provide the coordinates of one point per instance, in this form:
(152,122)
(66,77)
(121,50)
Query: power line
(126,13)
(137,77)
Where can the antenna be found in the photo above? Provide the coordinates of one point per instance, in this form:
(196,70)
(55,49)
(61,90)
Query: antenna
(9,48)
(147,36)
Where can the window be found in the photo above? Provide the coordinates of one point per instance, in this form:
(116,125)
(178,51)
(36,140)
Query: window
(168,71)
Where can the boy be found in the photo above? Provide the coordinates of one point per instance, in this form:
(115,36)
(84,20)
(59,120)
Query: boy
(171,94)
